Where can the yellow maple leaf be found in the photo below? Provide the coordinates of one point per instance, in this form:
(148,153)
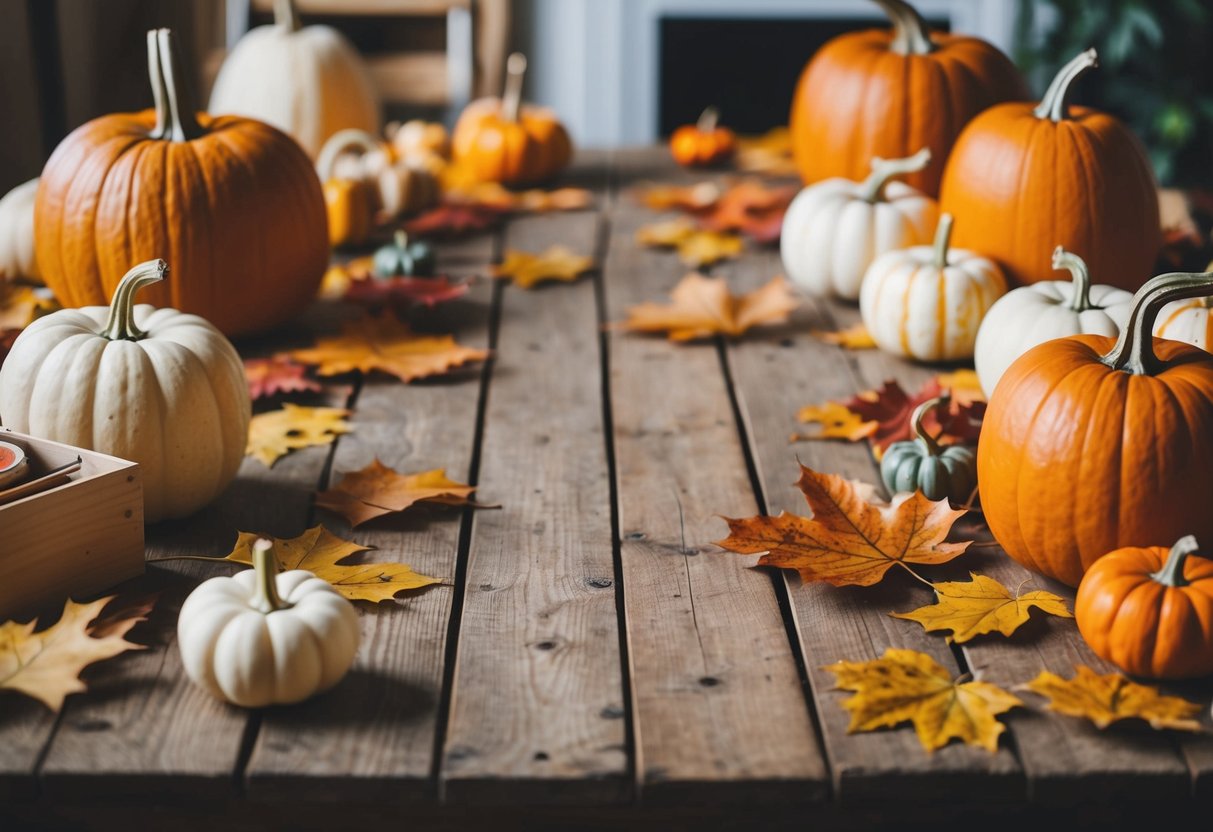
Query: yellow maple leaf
(854,337)
(963,386)
(21,305)
(1111,697)
(837,422)
(46,665)
(703,307)
(908,686)
(321,552)
(980,606)
(385,344)
(556,263)
(703,248)
(665,234)
(279,432)
(377,490)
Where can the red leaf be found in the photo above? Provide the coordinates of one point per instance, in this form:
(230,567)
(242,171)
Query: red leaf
(890,407)
(403,291)
(271,376)
(752,208)
(451,219)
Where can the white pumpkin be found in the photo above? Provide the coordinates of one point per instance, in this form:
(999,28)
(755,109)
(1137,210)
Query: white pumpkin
(1190,321)
(17,232)
(155,386)
(1043,311)
(309,82)
(927,302)
(834,229)
(262,638)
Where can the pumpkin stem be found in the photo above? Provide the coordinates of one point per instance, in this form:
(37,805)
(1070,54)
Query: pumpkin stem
(884,170)
(708,120)
(1054,104)
(160,130)
(515,72)
(265,593)
(1134,350)
(340,142)
(120,324)
(910,33)
(175,113)
(1172,572)
(943,238)
(401,239)
(1080,298)
(928,442)
(285,14)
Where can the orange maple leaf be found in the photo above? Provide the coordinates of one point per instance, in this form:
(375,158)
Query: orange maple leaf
(854,337)
(377,490)
(703,307)
(690,198)
(837,422)
(271,376)
(555,263)
(848,541)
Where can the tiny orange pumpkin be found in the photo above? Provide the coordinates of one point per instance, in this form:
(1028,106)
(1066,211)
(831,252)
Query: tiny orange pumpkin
(703,143)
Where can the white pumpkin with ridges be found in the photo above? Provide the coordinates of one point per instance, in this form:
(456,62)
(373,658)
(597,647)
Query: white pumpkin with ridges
(17,232)
(1190,321)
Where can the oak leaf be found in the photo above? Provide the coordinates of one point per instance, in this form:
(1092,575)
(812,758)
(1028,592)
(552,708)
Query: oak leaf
(271,376)
(278,432)
(980,606)
(322,553)
(377,490)
(387,345)
(854,337)
(665,234)
(703,248)
(836,421)
(1107,698)
(908,686)
(703,307)
(527,269)
(848,541)
(46,665)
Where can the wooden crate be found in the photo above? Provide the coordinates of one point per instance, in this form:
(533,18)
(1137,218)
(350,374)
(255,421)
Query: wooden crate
(73,540)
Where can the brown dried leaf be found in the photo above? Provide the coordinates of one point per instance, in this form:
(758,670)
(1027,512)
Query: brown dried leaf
(703,307)
(377,490)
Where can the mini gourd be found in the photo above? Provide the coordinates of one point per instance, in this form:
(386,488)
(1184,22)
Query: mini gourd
(155,386)
(1149,610)
(703,143)
(262,638)
(17,233)
(922,464)
(404,258)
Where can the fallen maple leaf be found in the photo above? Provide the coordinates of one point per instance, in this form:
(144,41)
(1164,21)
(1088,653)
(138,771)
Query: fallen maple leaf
(278,432)
(892,407)
(665,234)
(703,248)
(1111,697)
(690,198)
(387,345)
(560,199)
(271,376)
(452,219)
(980,606)
(837,422)
(751,208)
(21,305)
(377,490)
(527,269)
(404,291)
(848,541)
(47,665)
(963,386)
(908,686)
(703,307)
(770,153)
(321,552)
(854,337)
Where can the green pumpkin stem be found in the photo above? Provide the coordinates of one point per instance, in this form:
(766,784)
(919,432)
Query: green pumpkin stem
(910,33)
(265,594)
(401,239)
(885,170)
(120,324)
(943,239)
(515,73)
(1172,572)
(1134,350)
(928,442)
(1080,297)
(285,14)
(1055,103)
(175,111)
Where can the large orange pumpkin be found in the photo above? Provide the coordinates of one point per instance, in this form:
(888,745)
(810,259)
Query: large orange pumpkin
(504,140)
(1030,178)
(231,202)
(888,94)
(1090,444)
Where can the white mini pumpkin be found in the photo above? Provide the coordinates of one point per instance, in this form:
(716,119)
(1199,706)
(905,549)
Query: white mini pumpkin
(262,638)
(17,232)
(309,82)
(156,386)
(1043,311)
(834,229)
(927,302)
(1190,321)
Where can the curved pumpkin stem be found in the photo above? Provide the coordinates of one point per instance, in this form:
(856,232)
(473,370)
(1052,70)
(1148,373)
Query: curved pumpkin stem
(708,120)
(1055,103)
(928,442)
(120,324)
(175,111)
(265,594)
(1080,298)
(885,170)
(338,143)
(515,73)
(286,15)
(1134,350)
(1172,572)
(943,238)
(910,33)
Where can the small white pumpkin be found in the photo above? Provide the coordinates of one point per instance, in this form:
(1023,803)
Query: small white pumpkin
(17,232)
(927,302)
(262,638)
(1190,321)
(1043,311)
(834,229)
(156,386)
(309,82)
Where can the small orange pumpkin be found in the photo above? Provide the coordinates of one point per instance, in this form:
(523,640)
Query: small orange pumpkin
(1090,444)
(1149,611)
(348,203)
(887,94)
(504,140)
(703,143)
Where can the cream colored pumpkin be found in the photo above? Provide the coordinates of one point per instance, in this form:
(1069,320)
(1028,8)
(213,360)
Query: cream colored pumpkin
(262,638)
(17,232)
(1190,321)
(1040,312)
(834,229)
(401,187)
(309,82)
(156,386)
(927,302)
(418,138)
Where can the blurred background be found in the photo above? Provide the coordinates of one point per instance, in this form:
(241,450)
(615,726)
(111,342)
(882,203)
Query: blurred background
(619,72)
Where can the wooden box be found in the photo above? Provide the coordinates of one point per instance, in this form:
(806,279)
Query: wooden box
(73,540)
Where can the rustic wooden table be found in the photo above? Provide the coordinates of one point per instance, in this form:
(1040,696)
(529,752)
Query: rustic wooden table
(592,658)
